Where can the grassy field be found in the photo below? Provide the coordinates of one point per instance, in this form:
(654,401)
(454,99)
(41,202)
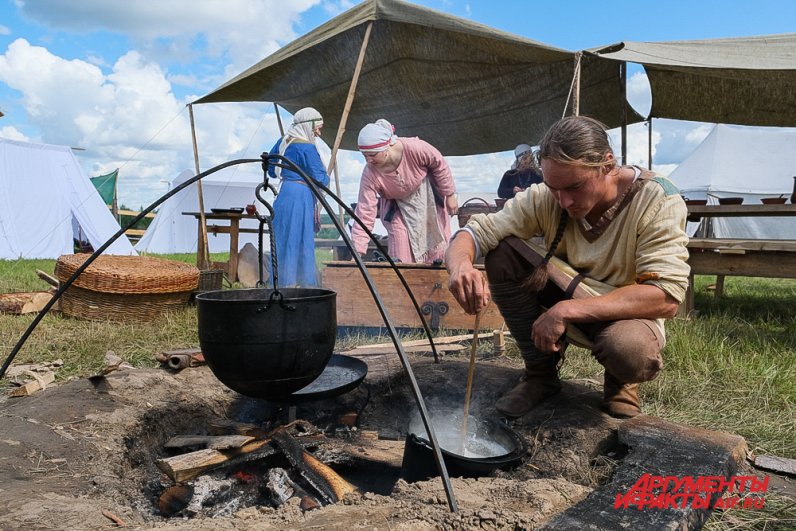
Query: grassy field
(731,368)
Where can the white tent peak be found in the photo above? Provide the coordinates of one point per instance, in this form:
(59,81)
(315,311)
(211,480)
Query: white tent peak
(748,162)
(44,196)
(757,161)
(174,232)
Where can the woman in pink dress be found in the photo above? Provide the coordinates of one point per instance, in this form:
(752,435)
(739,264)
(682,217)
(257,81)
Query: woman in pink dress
(408,180)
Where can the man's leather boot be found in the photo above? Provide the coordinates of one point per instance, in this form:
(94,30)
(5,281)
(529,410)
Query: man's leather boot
(539,382)
(620,400)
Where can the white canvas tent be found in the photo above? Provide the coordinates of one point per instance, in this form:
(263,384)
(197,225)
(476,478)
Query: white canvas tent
(173,232)
(752,163)
(44,193)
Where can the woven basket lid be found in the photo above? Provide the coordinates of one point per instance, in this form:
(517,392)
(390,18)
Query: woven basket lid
(128,274)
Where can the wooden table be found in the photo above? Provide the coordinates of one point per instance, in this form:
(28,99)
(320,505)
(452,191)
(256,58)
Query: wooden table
(233,228)
(739,211)
(737,257)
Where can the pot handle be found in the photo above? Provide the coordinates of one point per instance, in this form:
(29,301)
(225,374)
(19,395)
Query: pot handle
(282,303)
(484,201)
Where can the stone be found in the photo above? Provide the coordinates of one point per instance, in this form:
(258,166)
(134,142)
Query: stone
(659,448)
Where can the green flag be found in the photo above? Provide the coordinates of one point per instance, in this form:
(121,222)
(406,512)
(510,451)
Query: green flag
(106,186)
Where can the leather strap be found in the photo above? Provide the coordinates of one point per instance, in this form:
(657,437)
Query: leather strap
(577,279)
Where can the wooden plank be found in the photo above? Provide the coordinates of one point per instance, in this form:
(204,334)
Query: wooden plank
(745,245)
(355,305)
(438,340)
(782,465)
(390,349)
(215,442)
(734,211)
(754,264)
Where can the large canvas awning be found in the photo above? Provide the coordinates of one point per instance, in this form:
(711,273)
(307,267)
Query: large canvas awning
(745,81)
(464,87)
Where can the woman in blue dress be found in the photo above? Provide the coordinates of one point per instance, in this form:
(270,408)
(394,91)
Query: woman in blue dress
(294,221)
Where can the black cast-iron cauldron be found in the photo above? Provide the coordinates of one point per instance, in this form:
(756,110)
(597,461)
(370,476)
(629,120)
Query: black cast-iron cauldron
(257,346)
(489,445)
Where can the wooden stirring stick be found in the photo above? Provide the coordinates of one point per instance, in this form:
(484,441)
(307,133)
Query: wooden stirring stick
(470,372)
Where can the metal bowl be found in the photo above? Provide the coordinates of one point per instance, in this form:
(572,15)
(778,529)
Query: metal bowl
(496,446)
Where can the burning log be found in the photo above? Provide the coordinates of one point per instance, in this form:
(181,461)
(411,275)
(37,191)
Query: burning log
(174,499)
(214,442)
(187,466)
(280,486)
(325,480)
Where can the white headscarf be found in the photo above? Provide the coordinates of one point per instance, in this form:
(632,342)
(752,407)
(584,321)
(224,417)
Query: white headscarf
(304,122)
(377,136)
(519,151)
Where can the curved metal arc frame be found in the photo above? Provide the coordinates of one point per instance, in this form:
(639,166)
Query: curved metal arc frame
(63,287)
(314,187)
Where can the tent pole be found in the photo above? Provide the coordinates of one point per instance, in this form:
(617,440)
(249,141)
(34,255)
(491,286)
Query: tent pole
(649,143)
(576,92)
(202,252)
(623,107)
(115,202)
(279,121)
(346,109)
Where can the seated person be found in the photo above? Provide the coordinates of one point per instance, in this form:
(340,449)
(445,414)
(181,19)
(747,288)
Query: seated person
(523,173)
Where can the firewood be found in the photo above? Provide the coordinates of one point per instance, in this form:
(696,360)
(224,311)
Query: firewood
(47,278)
(189,465)
(325,480)
(24,302)
(118,521)
(215,442)
(228,427)
(40,382)
(174,499)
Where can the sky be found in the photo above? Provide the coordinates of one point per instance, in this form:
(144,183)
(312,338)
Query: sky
(113,77)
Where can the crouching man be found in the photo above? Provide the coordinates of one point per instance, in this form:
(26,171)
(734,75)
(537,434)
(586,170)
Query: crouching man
(613,235)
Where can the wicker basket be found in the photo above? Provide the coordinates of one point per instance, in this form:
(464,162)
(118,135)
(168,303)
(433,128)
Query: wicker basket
(210,280)
(474,205)
(123,288)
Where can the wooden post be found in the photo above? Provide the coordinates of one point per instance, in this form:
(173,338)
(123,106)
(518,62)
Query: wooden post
(203,253)
(346,109)
(649,143)
(623,107)
(576,88)
(279,120)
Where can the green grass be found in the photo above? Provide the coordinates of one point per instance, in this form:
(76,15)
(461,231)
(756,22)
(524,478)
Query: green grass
(731,368)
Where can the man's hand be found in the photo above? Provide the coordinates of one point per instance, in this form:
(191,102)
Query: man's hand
(469,288)
(517,189)
(548,330)
(452,204)
(467,284)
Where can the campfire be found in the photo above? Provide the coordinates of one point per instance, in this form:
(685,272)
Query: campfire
(240,464)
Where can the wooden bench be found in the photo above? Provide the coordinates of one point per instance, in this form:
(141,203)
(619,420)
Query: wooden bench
(750,258)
